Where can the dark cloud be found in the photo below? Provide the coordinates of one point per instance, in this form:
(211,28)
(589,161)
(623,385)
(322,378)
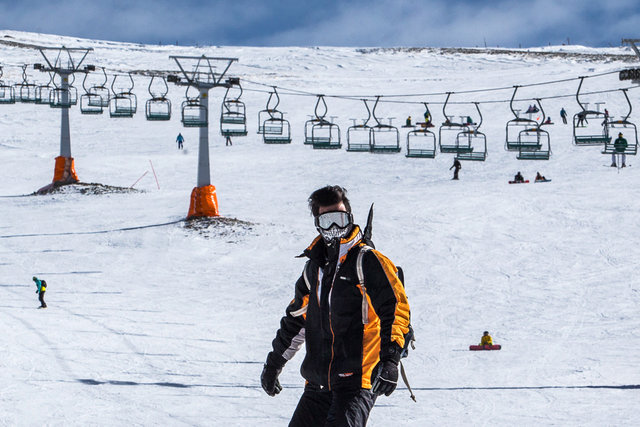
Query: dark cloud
(338,23)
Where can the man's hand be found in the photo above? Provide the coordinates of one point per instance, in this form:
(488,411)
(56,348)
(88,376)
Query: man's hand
(384,378)
(269,379)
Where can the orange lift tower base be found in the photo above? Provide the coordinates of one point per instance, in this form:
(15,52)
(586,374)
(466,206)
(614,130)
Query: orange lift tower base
(64,62)
(201,76)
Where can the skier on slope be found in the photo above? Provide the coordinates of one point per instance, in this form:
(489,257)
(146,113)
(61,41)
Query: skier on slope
(353,345)
(457,166)
(42,288)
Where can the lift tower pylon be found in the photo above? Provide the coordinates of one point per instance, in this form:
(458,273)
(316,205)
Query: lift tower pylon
(64,62)
(199,73)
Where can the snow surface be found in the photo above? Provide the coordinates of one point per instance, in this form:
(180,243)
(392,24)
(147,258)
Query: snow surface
(169,325)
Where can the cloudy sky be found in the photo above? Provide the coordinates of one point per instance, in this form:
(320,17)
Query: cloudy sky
(434,23)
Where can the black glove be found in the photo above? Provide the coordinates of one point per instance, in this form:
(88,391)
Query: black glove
(269,379)
(384,378)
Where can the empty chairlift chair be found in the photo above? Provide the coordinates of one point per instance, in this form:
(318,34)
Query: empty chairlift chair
(514,127)
(158,107)
(589,127)
(271,123)
(626,128)
(359,136)
(101,93)
(384,138)
(472,137)
(270,111)
(63,97)
(535,137)
(43,92)
(233,118)
(324,135)
(194,114)
(7,92)
(90,103)
(449,133)
(25,91)
(123,102)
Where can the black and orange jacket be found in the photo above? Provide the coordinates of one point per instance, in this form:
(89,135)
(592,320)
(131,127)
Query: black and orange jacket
(326,316)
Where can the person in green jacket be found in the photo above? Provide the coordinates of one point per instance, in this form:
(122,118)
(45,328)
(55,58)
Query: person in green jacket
(42,288)
(620,145)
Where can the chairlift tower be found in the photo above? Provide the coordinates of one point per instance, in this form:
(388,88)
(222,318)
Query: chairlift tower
(64,62)
(198,72)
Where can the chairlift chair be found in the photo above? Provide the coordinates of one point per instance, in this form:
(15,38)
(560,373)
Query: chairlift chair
(515,126)
(323,133)
(233,118)
(194,114)
(25,91)
(384,138)
(587,125)
(102,93)
(276,130)
(449,139)
(359,136)
(158,107)
(123,102)
(624,126)
(475,139)
(421,143)
(7,93)
(535,142)
(270,112)
(90,103)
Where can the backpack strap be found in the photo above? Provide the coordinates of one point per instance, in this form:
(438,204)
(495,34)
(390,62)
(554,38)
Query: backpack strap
(360,270)
(305,274)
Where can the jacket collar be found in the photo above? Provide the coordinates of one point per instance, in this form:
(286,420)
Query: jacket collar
(317,250)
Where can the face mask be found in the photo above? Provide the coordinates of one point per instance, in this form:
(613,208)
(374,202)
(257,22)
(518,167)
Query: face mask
(334,225)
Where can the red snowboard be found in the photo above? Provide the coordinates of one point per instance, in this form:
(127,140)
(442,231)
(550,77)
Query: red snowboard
(521,182)
(485,347)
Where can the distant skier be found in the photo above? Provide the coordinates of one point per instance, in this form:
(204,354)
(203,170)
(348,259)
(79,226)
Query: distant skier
(457,166)
(620,145)
(486,339)
(606,117)
(42,288)
(563,114)
(180,140)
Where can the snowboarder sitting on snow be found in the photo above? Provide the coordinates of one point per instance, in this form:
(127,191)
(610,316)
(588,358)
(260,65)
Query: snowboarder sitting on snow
(540,177)
(408,122)
(620,145)
(42,288)
(518,177)
(486,339)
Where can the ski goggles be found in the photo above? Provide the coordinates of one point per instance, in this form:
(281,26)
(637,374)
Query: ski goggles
(328,219)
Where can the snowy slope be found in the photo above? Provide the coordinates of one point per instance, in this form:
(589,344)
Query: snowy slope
(170,325)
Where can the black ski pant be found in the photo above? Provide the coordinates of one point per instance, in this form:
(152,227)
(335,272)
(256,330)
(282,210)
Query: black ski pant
(324,408)
(41,298)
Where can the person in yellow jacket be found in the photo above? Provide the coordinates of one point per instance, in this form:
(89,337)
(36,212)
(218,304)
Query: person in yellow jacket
(486,339)
(42,288)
